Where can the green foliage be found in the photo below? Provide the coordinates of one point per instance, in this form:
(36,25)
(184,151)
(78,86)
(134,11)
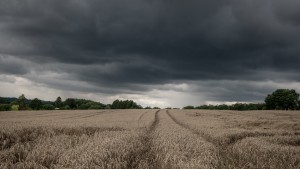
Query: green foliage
(5,107)
(48,107)
(237,106)
(15,107)
(83,107)
(156,107)
(7,100)
(188,107)
(58,102)
(22,102)
(96,106)
(126,104)
(88,104)
(282,99)
(35,104)
(209,107)
(148,107)
(66,107)
(71,103)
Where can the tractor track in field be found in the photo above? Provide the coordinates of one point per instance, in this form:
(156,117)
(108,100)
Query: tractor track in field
(206,138)
(141,115)
(84,115)
(154,123)
(52,114)
(96,114)
(74,117)
(146,153)
(222,154)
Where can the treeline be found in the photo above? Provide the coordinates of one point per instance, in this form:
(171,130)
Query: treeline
(281,99)
(127,104)
(22,103)
(237,106)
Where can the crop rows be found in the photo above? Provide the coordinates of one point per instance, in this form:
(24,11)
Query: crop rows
(149,139)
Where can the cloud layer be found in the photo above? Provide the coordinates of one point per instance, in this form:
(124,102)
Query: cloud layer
(150,49)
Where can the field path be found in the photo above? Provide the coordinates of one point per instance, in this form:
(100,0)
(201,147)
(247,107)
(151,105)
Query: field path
(192,130)
(223,156)
(96,114)
(145,158)
(142,115)
(176,146)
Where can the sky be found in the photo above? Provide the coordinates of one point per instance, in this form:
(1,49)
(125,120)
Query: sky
(165,53)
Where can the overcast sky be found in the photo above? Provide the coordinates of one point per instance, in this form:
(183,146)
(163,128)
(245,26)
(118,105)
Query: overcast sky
(155,52)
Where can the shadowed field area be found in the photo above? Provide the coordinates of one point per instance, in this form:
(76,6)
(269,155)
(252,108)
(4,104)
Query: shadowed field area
(150,139)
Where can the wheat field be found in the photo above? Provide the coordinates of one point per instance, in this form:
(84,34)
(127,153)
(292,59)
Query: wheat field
(145,139)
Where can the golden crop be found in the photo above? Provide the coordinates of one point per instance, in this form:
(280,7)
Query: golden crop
(149,139)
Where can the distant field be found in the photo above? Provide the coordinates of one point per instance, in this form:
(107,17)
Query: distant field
(150,139)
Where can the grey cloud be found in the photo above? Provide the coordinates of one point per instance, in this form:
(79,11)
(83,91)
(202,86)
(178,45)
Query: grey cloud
(131,45)
(12,65)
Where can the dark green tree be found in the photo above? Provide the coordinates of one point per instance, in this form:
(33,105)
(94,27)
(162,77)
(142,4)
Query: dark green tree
(222,107)
(5,107)
(48,107)
(7,100)
(22,102)
(282,99)
(126,104)
(188,107)
(58,102)
(71,103)
(115,104)
(36,104)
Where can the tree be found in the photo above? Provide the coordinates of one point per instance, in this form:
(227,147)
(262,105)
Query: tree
(58,102)
(5,107)
(35,104)
(7,100)
(188,107)
(15,107)
(222,107)
(282,99)
(71,103)
(127,104)
(48,107)
(22,102)
(115,104)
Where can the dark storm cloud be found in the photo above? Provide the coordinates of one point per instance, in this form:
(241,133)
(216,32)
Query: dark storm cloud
(119,43)
(12,65)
